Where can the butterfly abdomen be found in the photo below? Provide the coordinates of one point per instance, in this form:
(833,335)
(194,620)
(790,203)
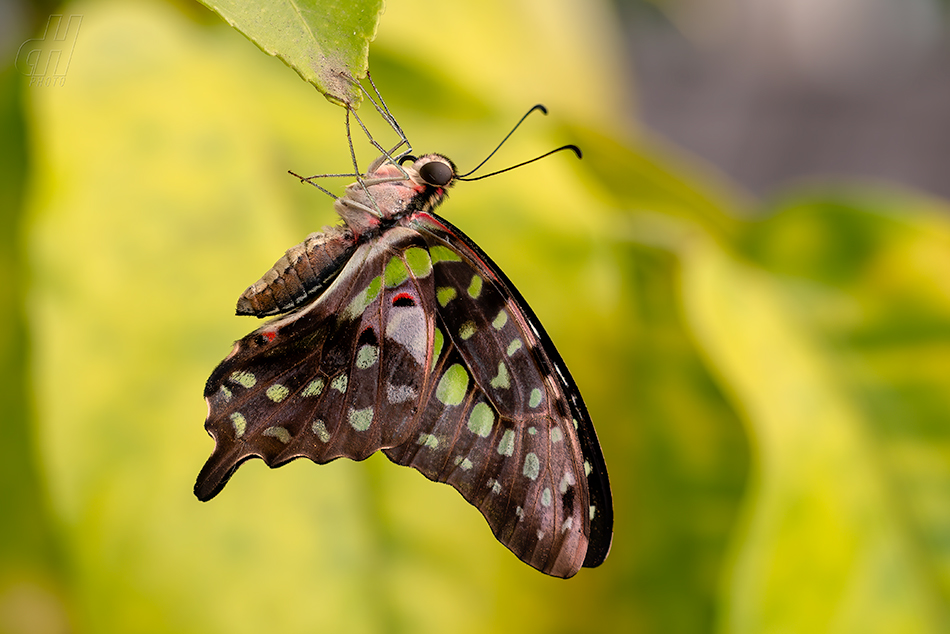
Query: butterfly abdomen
(300,274)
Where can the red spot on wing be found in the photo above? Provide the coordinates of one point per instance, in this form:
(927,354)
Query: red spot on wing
(270,335)
(404,299)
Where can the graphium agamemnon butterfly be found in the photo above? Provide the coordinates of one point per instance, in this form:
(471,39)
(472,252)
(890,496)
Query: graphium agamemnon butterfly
(399,334)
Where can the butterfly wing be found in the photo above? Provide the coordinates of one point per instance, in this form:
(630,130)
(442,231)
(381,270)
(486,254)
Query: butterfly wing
(509,429)
(339,377)
(421,347)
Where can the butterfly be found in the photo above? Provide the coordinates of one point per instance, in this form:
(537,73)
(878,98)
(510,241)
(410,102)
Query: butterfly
(395,332)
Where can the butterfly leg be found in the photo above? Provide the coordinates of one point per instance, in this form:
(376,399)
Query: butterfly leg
(385,113)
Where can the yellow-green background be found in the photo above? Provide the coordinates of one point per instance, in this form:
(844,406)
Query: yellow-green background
(770,380)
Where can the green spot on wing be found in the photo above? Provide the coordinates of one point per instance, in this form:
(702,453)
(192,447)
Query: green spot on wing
(500,320)
(464,463)
(240,424)
(279,433)
(395,273)
(481,419)
(445,294)
(506,446)
(277,392)
(567,481)
(535,399)
(437,343)
(501,380)
(453,385)
(428,440)
(467,330)
(361,419)
(514,346)
(314,388)
(475,288)
(244,379)
(320,429)
(418,261)
(556,435)
(440,253)
(366,356)
(339,383)
(372,291)
(545,496)
(363,299)
(532,466)
(439,340)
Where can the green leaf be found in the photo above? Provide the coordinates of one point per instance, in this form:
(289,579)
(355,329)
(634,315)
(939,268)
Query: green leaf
(325,41)
(649,178)
(31,571)
(837,358)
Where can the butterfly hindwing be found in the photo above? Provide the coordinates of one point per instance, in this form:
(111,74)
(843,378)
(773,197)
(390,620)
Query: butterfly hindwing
(318,382)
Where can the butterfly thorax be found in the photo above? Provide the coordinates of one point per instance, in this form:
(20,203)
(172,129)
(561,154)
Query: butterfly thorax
(387,194)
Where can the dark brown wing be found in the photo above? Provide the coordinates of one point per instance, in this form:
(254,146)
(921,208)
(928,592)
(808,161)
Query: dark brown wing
(509,430)
(421,347)
(340,377)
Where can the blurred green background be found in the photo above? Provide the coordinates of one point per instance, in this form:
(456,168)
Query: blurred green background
(769,376)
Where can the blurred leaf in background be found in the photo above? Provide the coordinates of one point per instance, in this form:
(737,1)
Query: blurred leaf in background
(771,394)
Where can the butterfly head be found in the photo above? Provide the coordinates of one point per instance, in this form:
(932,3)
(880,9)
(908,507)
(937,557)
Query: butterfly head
(431,176)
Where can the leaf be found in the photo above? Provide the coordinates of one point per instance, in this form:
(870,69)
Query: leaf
(31,574)
(836,354)
(652,178)
(323,40)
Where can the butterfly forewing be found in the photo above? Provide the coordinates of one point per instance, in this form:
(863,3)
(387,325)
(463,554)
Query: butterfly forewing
(517,454)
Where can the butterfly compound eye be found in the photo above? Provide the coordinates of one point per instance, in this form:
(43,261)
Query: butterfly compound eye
(436,173)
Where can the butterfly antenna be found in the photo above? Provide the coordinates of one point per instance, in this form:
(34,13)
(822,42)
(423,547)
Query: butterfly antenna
(573,148)
(520,121)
